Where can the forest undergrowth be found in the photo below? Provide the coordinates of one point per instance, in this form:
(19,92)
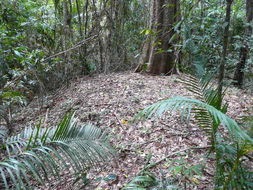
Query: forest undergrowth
(110,102)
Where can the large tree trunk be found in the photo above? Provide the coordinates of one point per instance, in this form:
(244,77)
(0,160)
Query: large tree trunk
(239,74)
(158,52)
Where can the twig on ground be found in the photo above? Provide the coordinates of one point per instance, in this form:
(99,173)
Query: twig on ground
(137,145)
(118,120)
(116,104)
(152,165)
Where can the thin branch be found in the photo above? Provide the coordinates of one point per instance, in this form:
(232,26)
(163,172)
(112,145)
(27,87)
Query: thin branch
(79,44)
(151,165)
(118,120)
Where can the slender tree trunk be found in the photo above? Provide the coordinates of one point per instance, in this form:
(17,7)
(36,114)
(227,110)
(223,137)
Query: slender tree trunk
(80,29)
(70,18)
(79,18)
(239,74)
(218,179)
(86,18)
(67,28)
(83,30)
(225,46)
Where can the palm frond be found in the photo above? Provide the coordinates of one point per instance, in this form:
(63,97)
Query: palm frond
(197,86)
(185,107)
(142,182)
(202,89)
(42,152)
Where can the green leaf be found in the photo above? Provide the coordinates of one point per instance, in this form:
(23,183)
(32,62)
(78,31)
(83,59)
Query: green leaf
(40,153)
(185,105)
(17,53)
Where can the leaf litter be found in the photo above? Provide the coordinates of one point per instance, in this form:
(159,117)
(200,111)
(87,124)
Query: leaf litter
(110,102)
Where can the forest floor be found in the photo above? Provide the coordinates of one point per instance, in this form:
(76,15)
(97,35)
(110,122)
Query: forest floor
(110,102)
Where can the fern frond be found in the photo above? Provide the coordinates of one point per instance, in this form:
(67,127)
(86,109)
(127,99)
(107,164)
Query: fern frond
(203,119)
(202,90)
(185,106)
(42,152)
(142,182)
(198,87)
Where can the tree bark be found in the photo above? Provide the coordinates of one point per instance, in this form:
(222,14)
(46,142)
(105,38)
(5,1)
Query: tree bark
(239,74)
(158,52)
(225,46)
(79,18)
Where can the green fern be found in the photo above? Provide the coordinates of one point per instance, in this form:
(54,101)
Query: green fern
(40,153)
(209,113)
(147,180)
(142,182)
(247,121)
(202,89)
(207,108)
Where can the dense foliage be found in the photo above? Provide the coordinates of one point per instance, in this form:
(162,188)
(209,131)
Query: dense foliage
(45,44)
(50,42)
